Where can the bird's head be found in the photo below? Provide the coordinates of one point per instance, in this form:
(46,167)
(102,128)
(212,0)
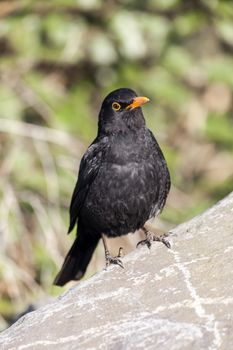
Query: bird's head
(121,112)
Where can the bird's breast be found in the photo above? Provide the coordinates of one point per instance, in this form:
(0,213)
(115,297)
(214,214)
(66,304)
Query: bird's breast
(126,149)
(126,191)
(121,197)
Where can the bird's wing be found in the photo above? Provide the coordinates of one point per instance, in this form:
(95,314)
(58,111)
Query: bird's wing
(158,152)
(89,167)
(163,176)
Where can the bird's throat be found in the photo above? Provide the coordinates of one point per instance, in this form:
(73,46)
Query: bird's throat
(126,123)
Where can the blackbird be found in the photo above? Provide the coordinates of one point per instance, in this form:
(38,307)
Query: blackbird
(123,181)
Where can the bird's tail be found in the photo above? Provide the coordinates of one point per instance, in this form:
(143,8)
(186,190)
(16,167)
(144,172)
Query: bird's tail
(77,259)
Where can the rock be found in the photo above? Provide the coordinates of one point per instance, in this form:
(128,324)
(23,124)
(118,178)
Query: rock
(164,299)
(31,307)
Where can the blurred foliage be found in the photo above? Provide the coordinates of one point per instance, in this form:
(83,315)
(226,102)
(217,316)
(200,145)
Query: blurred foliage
(58,60)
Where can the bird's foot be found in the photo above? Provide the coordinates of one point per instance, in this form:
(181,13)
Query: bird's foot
(163,239)
(150,237)
(114,259)
(148,241)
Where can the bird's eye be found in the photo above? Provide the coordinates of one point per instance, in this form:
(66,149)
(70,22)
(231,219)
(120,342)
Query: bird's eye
(116,106)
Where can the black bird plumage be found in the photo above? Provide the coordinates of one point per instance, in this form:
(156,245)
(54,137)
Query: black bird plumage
(123,181)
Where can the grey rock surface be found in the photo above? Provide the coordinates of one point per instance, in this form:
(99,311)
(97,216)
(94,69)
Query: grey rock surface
(164,299)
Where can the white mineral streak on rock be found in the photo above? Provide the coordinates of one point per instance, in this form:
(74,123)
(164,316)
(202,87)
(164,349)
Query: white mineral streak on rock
(197,305)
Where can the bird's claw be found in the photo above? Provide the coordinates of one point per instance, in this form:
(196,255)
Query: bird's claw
(114,259)
(144,242)
(120,253)
(153,238)
(163,240)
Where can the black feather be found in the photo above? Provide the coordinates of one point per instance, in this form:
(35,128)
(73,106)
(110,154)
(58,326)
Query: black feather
(77,259)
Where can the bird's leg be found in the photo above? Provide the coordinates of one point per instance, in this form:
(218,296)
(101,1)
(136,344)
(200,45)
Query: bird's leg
(110,259)
(150,237)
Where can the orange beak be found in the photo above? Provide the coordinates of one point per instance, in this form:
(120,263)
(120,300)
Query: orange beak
(138,102)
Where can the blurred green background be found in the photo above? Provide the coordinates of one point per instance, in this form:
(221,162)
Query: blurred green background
(58,60)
